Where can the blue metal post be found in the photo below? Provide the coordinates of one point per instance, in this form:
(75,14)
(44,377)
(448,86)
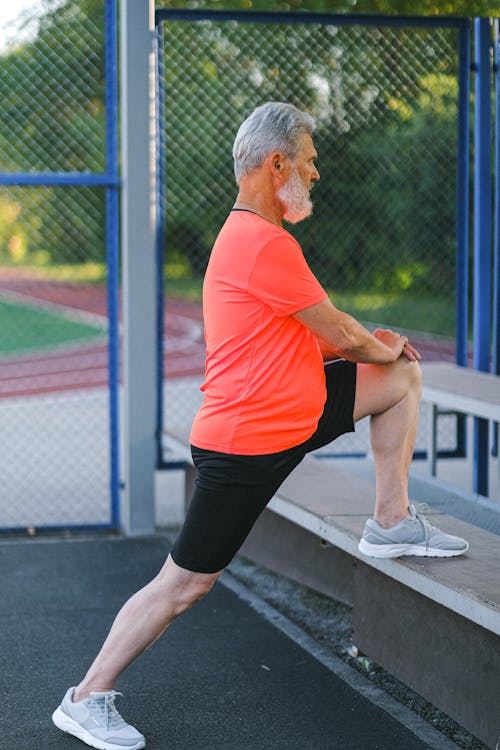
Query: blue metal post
(112,248)
(160,239)
(496,235)
(482,235)
(462,262)
(462,258)
(496,222)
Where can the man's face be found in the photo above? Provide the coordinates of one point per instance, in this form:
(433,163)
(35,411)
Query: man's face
(294,194)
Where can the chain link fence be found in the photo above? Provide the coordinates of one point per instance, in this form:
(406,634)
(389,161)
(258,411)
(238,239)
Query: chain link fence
(382,239)
(54,414)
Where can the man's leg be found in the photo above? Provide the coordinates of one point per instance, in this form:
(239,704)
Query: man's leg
(141,621)
(218,520)
(390,394)
(88,711)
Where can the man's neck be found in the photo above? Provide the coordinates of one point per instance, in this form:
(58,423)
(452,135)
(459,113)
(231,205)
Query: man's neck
(258,196)
(244,206)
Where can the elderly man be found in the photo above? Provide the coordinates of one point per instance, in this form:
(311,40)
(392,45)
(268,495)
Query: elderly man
(286,372)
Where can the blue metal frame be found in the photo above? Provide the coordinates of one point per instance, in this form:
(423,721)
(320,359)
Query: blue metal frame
(55,179)
(496,213)
(462,256)
(482,236)
(159,248)
(337,19)
(496,222)
(463,155)
(111,181)
(113,251)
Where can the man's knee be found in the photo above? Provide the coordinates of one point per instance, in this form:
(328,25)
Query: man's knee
(193,591)
(413,372)
(380,387)
(186,587)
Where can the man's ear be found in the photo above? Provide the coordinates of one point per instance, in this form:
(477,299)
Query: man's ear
(278,164)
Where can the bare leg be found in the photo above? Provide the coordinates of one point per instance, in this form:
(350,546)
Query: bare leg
(391,395)
(142,620)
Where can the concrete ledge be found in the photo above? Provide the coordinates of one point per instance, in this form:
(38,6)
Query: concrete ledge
(433,623)
(469,585)
(448,659)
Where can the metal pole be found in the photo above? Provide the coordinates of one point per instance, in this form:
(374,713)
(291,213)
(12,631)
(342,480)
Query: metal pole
(113,249)
(462,273)
(496,222)
(160,240)
(462,261)
(138,252)
(482,235)
(496,236)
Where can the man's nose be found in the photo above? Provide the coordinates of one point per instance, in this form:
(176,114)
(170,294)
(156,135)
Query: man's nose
(315,175)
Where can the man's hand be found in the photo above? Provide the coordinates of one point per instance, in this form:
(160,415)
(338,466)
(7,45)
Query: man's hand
(340,335)
(398,344)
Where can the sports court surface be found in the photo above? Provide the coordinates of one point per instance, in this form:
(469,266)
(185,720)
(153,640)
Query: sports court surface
(224,678)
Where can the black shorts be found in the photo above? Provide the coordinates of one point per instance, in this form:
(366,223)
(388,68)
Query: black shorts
(231,491)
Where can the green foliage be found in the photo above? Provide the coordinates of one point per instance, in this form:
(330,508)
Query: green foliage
(394,199)
(385,106)
(52,92)
(468,8)
(385,208)
(410,311)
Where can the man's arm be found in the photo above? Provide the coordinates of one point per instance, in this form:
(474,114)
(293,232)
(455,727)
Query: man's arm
(340,335)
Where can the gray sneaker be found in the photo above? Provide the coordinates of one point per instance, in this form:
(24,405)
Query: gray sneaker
(97,722)
(414,535)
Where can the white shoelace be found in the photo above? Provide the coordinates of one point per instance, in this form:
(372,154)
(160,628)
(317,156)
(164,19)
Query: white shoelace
(108,712)
(428,526)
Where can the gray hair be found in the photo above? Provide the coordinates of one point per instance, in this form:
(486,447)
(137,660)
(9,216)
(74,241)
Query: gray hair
(274,126)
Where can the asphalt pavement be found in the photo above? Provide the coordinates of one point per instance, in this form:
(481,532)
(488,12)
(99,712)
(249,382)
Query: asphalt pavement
(223,677)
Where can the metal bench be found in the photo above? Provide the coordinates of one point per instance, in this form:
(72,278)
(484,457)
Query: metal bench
(450,389)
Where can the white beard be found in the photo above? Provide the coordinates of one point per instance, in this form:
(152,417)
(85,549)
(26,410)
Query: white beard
(295,199)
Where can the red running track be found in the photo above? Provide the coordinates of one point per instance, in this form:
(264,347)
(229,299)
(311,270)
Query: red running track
(83,366)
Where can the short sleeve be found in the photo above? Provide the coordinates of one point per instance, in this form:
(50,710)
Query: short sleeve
(282,279)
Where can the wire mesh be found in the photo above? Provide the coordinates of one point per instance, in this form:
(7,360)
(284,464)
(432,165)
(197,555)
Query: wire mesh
(54,411)
(382,239)
(52,88)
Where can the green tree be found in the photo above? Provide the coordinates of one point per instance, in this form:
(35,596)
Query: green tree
(386,137)
(52,91)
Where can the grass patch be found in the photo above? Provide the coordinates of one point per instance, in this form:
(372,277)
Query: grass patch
(75,273)
(24,328)
(429,314)
(189,289)
(404,310)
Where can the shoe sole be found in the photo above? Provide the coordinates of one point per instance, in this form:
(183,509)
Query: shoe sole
(406,550)
(68,725)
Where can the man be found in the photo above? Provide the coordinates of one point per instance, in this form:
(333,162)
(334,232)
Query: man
(268,400)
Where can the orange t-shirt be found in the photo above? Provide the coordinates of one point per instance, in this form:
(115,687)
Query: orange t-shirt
(264,388)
